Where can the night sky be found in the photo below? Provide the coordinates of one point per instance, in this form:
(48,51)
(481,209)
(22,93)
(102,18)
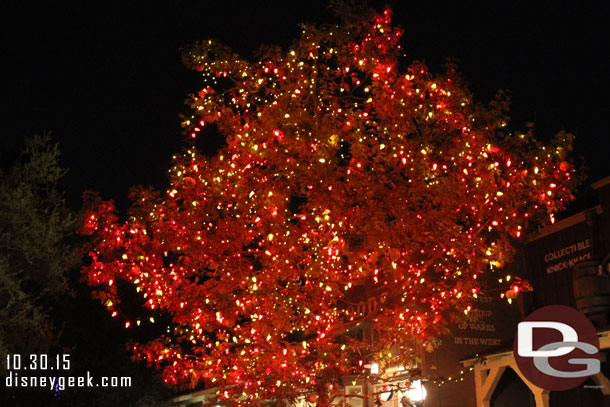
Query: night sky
(105,77)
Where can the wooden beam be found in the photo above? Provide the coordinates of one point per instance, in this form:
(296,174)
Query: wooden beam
(541,396)
(486,381)
(601,380)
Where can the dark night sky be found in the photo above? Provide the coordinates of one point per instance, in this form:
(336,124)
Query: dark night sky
(106,78)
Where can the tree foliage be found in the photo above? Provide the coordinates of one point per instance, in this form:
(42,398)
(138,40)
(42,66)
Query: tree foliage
(345,172)
(34,253)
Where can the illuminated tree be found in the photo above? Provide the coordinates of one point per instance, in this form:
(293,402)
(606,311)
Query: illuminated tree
(343,171)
